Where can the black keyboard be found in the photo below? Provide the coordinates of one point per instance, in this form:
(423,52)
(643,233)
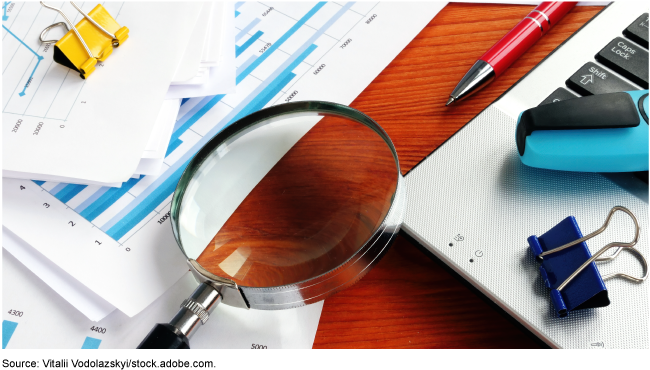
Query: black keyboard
(622,65)
(627,56)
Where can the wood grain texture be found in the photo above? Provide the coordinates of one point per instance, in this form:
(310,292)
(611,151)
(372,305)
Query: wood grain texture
(408,300)
(311,212)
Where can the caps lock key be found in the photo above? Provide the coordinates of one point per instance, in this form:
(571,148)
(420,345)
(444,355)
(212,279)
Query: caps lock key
(625,57)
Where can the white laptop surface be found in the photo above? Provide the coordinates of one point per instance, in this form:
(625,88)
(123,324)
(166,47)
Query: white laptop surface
(473,204)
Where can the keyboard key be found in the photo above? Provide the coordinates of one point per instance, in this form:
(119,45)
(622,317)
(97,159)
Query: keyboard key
(626,58)
(559,95)
(593,79)
(638,31)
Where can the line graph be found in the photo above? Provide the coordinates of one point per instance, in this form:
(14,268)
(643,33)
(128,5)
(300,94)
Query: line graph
(4,10)
(34,86)
(38,58)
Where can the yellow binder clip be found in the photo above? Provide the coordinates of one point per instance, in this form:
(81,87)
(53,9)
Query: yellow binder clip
(93,40)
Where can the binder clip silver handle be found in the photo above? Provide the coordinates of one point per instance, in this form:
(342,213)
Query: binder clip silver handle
(48,28)
(599,231)
(596,257)
(115,41)
(90,54)
(626,276)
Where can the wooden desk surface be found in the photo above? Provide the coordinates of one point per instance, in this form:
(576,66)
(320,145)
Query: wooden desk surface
(408,300)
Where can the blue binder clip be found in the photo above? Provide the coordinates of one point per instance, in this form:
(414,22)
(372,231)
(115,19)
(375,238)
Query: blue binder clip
(568,267)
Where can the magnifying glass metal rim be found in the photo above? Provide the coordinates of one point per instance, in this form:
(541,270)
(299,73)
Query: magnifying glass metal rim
(316,288)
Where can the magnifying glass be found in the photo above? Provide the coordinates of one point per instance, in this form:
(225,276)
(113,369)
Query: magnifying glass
(283,208)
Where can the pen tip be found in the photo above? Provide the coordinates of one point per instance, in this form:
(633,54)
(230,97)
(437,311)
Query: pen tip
(451,100)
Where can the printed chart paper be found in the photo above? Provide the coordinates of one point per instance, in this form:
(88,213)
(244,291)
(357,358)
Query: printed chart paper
(56,123)
(36,317)
(118,242)
(83,299)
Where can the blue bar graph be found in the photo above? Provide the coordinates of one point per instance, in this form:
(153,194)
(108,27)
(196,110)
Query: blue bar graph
(68,192)
(161,192)
(280,41)
(172,146)
(265,97)
(245,65)
(190,118)
(96,195)
(138,207)
(274,87)
(249,42)
(107,199)
(55,190)
(246,29)
(91,343)
(8,329)
(165,184)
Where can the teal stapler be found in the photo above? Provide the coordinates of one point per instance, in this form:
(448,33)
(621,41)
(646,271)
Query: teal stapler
(599,133)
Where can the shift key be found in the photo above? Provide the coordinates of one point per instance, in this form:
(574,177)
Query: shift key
(592,79)
(627,58)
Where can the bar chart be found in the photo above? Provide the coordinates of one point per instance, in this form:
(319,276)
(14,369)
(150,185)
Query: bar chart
(8,329)
(91,343)
(117,211)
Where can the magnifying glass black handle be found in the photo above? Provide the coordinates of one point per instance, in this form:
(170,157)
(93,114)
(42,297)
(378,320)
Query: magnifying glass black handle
(165,336)
(194,310)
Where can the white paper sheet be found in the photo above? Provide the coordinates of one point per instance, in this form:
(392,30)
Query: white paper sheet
(211,28)
(218,21)
(48,321)
(199,78)
(152,157)
(159,139)
(222,79)
(83,299)
(190,62)
(130,280)
(94,129)
(128,277)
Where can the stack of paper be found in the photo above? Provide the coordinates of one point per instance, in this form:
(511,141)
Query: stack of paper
(116,124)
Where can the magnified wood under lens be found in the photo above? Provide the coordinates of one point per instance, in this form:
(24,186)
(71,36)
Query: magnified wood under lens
(315,208)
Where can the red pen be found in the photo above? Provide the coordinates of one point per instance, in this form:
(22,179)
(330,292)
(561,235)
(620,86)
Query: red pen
(496,60)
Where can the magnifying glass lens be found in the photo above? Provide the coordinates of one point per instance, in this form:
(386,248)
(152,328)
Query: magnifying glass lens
(287,199)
